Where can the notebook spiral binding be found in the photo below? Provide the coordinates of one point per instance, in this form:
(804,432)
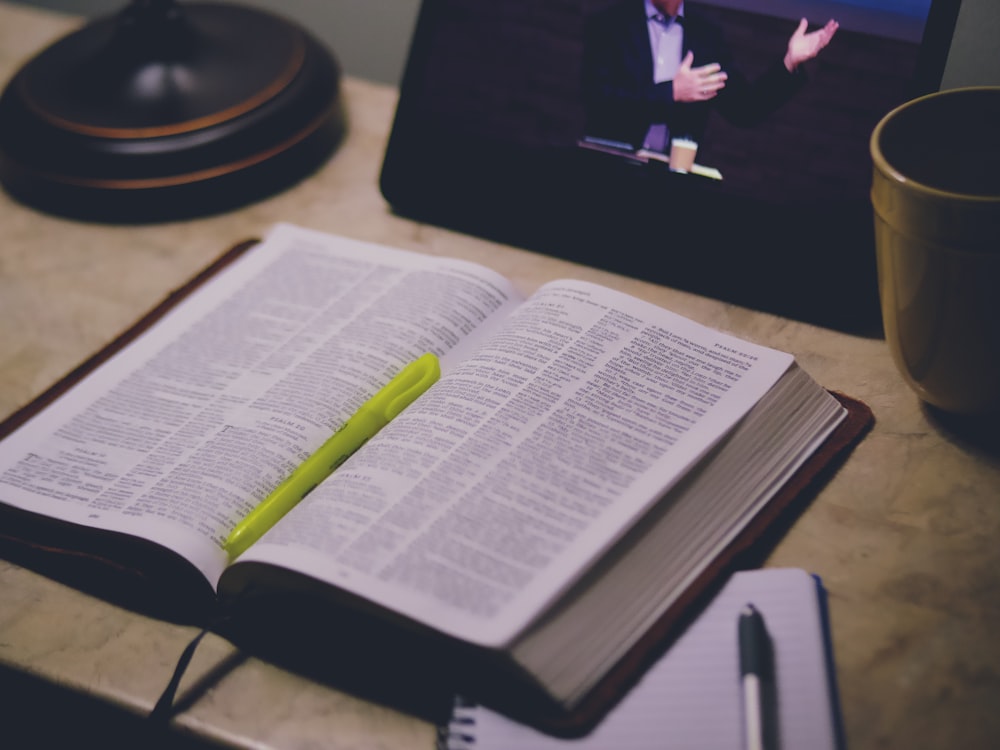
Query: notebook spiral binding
(459,733)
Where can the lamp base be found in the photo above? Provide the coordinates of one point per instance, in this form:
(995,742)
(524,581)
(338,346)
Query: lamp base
(168,111)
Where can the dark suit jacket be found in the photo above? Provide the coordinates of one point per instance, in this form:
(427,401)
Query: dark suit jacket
(621,100)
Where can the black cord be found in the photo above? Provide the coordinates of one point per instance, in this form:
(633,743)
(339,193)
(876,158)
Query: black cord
(165,707)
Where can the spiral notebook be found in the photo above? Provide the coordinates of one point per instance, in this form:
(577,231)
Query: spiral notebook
(691,699)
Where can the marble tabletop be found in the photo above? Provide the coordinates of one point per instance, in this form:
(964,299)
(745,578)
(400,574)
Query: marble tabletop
(906,535)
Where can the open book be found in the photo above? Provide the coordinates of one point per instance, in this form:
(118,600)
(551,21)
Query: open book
(585,465)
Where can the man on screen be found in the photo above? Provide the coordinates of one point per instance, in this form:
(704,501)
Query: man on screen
(654,70)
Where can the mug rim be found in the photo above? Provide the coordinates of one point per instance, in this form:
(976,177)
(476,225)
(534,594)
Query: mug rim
(887,169)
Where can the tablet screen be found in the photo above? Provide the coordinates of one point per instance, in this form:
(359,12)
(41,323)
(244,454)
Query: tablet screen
(545,124)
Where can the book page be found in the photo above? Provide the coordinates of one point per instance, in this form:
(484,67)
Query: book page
(484,500)
(181,434)
(691,698)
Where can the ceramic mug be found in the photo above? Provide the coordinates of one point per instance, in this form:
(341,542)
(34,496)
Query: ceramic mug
(936,196)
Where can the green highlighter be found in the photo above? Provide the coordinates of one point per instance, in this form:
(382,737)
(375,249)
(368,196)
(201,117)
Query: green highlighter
(374,414)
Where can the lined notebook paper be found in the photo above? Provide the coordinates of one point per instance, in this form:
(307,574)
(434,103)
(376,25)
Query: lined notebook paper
(691,698)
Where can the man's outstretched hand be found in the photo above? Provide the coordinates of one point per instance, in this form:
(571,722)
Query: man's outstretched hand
(805,46)
(705,82)
(697,84)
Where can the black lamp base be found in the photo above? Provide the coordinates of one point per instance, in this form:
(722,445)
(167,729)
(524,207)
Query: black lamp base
(168,111)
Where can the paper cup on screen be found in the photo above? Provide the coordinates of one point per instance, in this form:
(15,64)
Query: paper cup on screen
(682,153)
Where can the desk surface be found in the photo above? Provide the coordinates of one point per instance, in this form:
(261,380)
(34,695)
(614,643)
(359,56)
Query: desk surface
(906,536)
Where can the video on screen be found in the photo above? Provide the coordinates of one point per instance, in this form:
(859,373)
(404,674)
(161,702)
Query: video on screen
(561,73)
(667,139)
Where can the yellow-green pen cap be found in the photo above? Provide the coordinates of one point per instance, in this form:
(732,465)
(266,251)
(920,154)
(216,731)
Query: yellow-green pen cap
(406,386)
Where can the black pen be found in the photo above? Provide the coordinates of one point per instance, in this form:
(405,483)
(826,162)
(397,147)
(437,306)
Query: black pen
(754,653)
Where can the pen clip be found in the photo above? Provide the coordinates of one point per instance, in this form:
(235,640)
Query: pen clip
(406,386)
